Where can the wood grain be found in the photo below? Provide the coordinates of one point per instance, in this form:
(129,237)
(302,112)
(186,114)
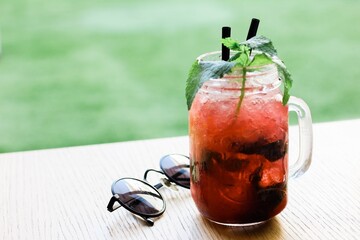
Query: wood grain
(63,193)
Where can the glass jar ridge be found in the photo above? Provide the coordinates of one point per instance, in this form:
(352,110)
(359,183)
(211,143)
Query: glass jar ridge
(257,79)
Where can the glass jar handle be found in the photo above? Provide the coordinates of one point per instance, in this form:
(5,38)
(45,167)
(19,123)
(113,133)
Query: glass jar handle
(305,137)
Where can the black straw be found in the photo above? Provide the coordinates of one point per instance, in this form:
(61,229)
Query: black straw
(225,52)
(253,28)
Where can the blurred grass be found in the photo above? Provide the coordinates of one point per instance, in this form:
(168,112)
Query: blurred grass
(83,72)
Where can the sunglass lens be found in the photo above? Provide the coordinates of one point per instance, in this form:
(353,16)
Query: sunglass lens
(176,168)
(138,196)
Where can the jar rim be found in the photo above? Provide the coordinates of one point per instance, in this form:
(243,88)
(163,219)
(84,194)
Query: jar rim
(215,56)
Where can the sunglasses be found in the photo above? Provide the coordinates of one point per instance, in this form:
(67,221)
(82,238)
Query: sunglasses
(143,199)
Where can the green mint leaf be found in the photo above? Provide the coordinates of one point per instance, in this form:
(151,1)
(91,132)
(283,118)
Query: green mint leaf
(260,59)
(242,57)
(285,76)
(261,44)
(233,58)
(231,44)
(242,60)
(202,71)
(245,49)
(264,45)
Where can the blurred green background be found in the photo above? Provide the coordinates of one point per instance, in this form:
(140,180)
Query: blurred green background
(84,72)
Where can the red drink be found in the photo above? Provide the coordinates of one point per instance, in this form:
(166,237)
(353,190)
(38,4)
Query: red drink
(239,160)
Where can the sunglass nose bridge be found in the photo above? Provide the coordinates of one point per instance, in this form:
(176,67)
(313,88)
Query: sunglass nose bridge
(166,182)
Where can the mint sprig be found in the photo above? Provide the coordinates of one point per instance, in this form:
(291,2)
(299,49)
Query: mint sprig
(202,71)
(264,45)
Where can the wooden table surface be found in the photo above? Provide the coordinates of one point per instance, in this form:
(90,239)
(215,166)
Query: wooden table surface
(63,193)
